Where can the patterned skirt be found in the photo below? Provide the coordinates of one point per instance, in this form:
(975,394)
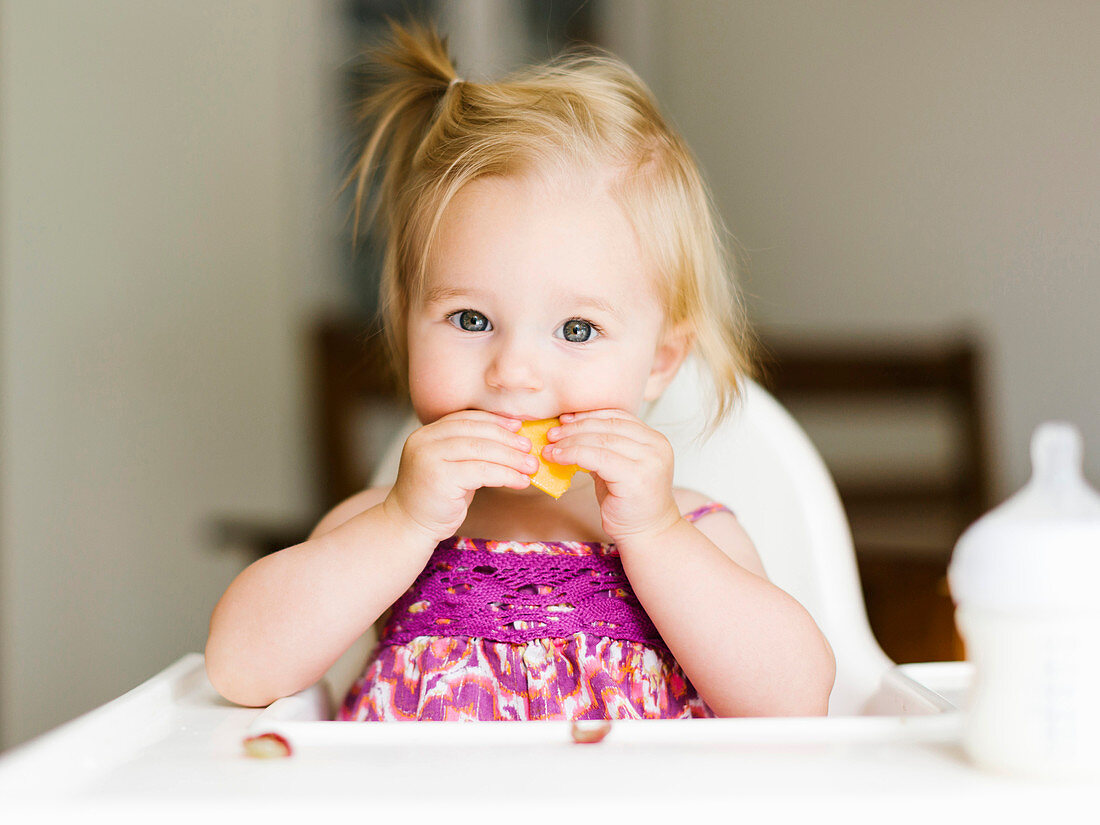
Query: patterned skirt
(582,677)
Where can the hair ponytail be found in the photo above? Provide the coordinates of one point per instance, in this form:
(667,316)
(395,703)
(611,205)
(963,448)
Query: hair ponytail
(409,77)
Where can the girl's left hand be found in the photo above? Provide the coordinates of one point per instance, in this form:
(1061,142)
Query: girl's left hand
(631,465)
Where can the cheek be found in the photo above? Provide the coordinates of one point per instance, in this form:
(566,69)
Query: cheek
(425,403)
(617,383)
(434,382)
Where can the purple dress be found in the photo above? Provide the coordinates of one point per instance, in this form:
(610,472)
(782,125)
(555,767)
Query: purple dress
(522,630)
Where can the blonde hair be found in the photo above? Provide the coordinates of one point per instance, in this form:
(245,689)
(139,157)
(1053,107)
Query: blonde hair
(431,133)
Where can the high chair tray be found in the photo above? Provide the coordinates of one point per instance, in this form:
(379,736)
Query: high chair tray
(903,710)
(172,750)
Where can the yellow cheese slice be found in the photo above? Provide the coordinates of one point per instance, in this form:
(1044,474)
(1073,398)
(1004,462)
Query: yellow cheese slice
(553,479)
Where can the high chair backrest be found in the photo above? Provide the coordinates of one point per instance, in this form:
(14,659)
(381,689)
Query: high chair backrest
(761,464)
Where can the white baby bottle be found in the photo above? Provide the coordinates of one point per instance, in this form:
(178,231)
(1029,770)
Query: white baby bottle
(1026,581)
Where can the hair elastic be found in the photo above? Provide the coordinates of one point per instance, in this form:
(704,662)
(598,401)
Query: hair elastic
(454,80)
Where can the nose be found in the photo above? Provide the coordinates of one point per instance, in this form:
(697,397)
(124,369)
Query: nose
(514,366)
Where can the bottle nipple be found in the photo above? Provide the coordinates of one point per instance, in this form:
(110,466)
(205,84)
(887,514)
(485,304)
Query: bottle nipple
(1056,454)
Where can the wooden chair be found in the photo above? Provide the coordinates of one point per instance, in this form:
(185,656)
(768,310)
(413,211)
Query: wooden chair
(906,519)
(355,383)
(357,402)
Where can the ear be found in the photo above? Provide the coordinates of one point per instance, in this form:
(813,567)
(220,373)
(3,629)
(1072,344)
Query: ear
(673,348)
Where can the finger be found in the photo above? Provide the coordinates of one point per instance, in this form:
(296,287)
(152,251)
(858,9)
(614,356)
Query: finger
(472,475)
(478,429)
(485,450)
(508,422)
(608,465)
(603,413)
(596,449)
(632,429)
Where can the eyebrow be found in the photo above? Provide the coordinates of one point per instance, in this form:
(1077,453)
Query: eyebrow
(444,294)
(441,294)
(591,302)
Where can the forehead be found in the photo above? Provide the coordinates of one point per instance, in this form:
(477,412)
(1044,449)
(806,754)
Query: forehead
(549,233)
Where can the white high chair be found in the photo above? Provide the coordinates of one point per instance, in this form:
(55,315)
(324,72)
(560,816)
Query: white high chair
(893,729)
(761,464)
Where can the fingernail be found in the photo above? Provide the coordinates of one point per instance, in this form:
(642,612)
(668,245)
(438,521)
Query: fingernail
(531,462)
(523,442)
(553,432)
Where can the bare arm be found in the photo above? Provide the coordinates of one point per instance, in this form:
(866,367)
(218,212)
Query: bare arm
(749,648)
(287,617)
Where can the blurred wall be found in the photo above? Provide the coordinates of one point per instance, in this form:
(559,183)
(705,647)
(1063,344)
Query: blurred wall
(898,169)
(163,175)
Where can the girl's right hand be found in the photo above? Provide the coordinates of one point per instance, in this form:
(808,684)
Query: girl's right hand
(444,463)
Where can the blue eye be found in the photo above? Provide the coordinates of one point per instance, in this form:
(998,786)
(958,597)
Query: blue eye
(469,320)
(578,331)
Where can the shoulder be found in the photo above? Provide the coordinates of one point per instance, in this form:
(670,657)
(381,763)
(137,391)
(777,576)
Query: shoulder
(722,528)
(348,509)
(688,500)
(702,507)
